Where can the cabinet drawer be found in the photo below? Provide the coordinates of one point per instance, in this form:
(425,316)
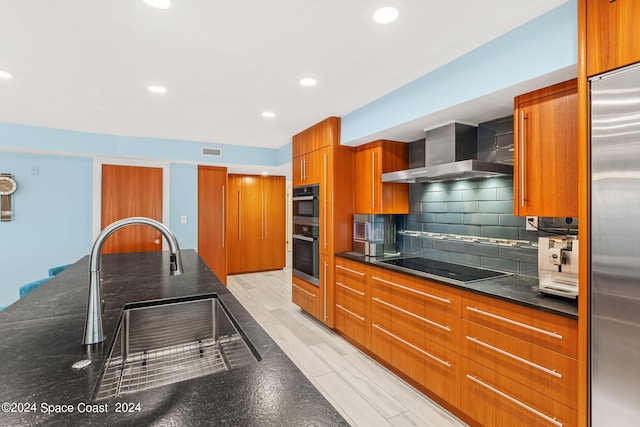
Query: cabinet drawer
(351,274)
(305,296)
(433,366)
(495,400)
(547,330)
(416,295)
(351,324)
(350,299)
(552,374)
(406,320)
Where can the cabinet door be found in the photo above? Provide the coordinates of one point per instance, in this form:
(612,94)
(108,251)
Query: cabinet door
(245,227)
(212,247)
(372,196)
(545,165)
(273,245)
(613,40)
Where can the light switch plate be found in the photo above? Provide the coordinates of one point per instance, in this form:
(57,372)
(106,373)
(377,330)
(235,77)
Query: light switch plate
(183,219)
(532,223)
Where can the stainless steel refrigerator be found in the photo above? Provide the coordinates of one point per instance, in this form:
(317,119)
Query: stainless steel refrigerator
(615,248)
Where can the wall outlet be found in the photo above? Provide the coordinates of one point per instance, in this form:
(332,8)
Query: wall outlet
(532,223)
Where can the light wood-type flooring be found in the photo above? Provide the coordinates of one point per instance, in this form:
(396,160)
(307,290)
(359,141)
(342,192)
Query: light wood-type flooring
(365,393)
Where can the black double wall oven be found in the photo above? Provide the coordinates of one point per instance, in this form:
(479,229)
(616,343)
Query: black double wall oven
(306,220)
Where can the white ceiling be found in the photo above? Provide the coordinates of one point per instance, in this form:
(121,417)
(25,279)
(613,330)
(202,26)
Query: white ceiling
(85,64)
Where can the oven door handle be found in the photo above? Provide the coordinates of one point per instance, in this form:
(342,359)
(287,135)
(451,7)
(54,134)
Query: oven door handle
(303,198)
(301,237)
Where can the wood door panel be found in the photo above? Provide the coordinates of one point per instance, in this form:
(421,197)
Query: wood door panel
(275,210)
(129,191)
(212,247)
(550,373)
(613,40)
(495,400)
(556,333)
(546,149)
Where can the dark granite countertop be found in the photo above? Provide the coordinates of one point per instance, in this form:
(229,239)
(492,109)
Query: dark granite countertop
(516,289)
(41,337)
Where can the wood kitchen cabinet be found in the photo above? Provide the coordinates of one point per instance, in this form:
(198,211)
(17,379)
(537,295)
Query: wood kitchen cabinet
(212,241)
(351,301)
(612,39)
(520,361)
(256,223)
(415,325)
(372,196)
(546,148)
(319,159)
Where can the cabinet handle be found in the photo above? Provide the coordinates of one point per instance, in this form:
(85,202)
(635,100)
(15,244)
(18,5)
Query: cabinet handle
(373,180)
(350,289)
(418,349)
(516,323)
(302,169)
(424,294)
(239,215)
(262,215)
(324,290)
(362,319)
(430,322)
(303,290)
(523,138)
(514,357)
(224,217)
(349,270)
(553,421)
(326,190)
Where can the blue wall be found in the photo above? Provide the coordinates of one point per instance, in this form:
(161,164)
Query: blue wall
(545,44)
(52,223)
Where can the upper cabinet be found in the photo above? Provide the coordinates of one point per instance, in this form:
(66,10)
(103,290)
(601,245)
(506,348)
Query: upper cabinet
(307,162)
(612,40)
(372,196)
(545,159)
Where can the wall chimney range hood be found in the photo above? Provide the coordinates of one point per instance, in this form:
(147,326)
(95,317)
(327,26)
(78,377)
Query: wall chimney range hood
(450,154)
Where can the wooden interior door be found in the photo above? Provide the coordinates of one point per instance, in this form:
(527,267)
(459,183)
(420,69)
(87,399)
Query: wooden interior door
(274,222)
(131,191)
(212,246)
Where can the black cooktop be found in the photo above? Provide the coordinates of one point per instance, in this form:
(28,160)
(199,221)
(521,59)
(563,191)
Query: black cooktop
(446,270)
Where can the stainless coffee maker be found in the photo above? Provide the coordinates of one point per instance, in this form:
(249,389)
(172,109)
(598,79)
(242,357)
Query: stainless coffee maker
(558,265)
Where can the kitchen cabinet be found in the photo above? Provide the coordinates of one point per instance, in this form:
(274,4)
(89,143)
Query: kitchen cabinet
(612,40)
(546,148)
(492,361)
(351,301)
(331,167)
(415,327)
(212,245)
(372,196)
(256,223)
(519,359)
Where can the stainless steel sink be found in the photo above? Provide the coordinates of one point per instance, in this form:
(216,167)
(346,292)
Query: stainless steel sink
(168,341)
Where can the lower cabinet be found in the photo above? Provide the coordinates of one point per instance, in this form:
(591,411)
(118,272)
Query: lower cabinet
(351,301)
(493,399)
(495,363)
(306,296)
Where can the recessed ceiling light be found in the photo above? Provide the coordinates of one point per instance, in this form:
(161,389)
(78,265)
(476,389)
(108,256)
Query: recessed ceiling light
(5,75)
(158,4)
(268,114)
(308,81)
(157,89)
(385,15)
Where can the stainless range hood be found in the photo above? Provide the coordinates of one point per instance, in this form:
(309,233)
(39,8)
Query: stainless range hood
(450,154)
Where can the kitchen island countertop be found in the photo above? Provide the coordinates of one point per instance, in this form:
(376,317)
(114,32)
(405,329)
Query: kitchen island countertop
(42,337)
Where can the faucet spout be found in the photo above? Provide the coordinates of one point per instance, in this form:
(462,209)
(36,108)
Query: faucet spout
(93,332)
